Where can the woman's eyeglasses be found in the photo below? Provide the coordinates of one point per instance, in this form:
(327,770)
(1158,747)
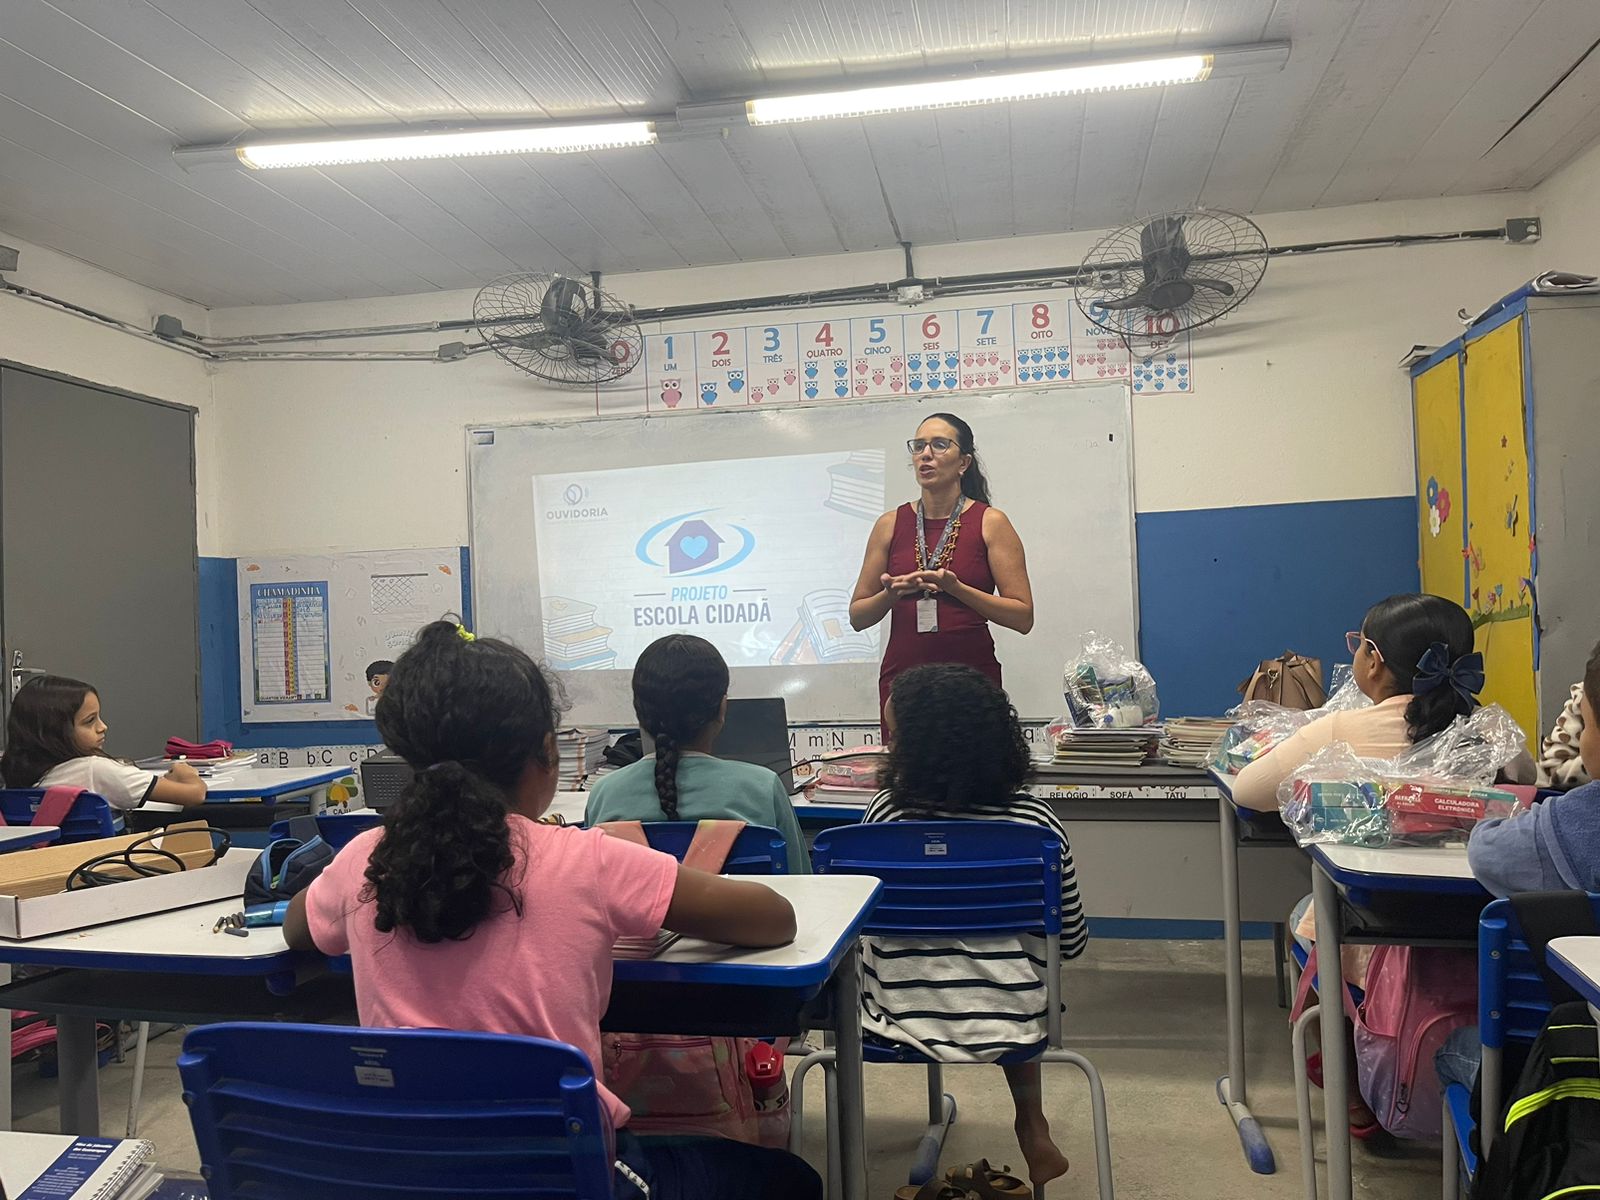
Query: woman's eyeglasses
(1355,638)
(939,445)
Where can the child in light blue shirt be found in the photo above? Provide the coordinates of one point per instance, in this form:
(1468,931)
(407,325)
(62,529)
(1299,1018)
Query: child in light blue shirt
(680,695)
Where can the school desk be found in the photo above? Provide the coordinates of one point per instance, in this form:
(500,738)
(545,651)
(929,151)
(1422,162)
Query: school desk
(1577,960)
(252,781)
(20,837)
(171,967)
(1413,896)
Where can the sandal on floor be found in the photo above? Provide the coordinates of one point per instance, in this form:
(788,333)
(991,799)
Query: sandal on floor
(934,1189)
(988,1183)
(1314,1069)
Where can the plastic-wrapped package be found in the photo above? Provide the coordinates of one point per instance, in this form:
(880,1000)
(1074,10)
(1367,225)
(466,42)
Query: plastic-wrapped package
(1432,794)
(1106,688)
(857,768)
(1259,725)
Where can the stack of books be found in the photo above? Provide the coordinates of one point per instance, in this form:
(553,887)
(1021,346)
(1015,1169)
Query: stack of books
(1093,750)
(582,751)
(1189,740)
(856,485)
(644,947)
(61,1165)
(572,640)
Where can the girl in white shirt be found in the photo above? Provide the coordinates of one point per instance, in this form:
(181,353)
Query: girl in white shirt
(55,738)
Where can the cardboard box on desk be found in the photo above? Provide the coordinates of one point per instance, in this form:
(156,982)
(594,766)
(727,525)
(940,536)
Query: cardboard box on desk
(34,904)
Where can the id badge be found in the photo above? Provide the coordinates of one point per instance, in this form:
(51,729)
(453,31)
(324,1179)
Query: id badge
(928,615)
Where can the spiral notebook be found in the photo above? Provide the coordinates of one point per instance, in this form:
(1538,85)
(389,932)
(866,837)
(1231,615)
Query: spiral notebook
(51,1166)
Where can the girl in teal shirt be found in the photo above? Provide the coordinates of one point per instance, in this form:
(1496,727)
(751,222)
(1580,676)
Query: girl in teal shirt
(680,695)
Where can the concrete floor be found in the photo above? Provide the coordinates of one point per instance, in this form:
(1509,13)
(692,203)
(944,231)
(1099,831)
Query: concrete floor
(1148,1014)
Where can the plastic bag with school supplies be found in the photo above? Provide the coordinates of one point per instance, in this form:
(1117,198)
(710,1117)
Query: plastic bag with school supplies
(1106,688)
(1432,794)
(1259,725)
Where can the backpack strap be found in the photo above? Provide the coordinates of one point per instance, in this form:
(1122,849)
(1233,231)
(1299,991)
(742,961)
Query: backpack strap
(1545,916)
(628,831)
(712,843)
(55,806)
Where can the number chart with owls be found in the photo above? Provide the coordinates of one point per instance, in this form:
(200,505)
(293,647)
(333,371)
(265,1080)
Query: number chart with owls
(924,352)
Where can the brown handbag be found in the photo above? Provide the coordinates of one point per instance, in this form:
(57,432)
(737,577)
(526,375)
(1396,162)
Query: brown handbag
(1292,680)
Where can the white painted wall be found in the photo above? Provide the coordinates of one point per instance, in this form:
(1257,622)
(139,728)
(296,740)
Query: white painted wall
(1299,397)
(38,336)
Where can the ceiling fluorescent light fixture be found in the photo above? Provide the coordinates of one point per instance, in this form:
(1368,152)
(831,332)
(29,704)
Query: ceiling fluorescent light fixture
(982,89)
(531,139)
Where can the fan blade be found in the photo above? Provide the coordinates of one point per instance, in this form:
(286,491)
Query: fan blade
(1139,299)
(1215,285)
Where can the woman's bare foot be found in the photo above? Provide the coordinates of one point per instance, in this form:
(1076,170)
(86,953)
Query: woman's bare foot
(1044,1158)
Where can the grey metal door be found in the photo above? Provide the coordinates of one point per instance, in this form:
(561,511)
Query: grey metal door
(98,568)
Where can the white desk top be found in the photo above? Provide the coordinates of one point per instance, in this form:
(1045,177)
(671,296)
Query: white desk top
(251,779)
(14,835)
(826,907)
(1580,958)
(1433,862)
(569,806)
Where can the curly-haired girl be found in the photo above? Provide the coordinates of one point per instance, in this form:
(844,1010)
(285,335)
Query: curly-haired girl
(956,753)
(464,912)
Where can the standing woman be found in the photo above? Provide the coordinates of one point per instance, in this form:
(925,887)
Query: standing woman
(945,566)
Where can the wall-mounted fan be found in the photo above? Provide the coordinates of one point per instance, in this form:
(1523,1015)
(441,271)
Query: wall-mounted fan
(562,330)
(1172,273)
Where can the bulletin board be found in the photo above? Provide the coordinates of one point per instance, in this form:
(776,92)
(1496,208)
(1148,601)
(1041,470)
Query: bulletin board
(311,626)
(1499,548)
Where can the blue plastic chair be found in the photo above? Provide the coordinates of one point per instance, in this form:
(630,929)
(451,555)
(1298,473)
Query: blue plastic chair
(758,850)
(1513,1005)
(318,1112)
(955,879)
(90,816)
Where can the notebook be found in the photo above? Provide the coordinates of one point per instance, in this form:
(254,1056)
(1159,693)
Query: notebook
(52,1166)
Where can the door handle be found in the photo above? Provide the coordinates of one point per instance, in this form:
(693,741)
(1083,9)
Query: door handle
(21,674)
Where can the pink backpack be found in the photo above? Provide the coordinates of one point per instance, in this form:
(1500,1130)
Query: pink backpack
(680,1084)
(1415,999)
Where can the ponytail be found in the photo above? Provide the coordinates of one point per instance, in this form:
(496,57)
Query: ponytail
(973,485)
(679,684)
(667,755)
(469,715)
(445,849)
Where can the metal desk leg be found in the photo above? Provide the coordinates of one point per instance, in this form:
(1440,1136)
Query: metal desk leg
(5,1074)
(1231,1088)
(852,1110)
(1330,996)
(79,1081)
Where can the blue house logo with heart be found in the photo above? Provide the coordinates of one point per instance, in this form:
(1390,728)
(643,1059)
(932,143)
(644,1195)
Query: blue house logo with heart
(686,544)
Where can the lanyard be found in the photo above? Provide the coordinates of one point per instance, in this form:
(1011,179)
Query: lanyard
(946,539)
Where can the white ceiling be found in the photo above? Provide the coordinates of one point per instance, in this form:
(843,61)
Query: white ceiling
(1381,99)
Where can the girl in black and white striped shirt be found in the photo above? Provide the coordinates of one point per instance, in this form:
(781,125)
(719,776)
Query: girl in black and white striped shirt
(956,753)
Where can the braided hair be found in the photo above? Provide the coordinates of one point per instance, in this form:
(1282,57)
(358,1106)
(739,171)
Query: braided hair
(679,684)
(468,716)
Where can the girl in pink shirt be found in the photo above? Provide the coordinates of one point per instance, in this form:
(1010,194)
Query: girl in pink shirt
(464,912)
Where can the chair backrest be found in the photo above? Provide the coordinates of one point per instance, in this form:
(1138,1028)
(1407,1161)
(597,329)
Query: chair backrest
(951,878)
(337,829)
(1512,999)
(90,816)
(383,778)
(758,850)
(322,1112)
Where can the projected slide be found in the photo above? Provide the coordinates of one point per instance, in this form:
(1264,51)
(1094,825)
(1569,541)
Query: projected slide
(756,555)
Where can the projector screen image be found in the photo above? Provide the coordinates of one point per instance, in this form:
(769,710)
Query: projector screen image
(756,555)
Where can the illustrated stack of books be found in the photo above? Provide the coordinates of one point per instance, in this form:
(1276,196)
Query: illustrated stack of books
(1189,740)
(856,485)
(572,640)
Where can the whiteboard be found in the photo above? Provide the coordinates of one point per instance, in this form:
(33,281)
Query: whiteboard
(1059,465)
(312,626)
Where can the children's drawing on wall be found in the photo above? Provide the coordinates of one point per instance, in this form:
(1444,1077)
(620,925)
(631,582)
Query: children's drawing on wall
(1438,506)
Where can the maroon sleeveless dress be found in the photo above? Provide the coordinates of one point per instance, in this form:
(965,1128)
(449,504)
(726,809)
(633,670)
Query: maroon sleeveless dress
(963,635)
